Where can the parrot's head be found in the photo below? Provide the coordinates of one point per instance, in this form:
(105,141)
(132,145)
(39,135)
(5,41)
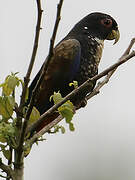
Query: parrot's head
(100,25)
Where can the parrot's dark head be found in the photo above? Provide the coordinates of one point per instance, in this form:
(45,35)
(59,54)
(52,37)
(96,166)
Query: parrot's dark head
(99,25)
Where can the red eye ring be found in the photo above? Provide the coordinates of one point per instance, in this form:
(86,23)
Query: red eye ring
(106,22)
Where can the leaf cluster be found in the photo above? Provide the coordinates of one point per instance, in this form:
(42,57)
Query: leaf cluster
(66,109)
(8,131)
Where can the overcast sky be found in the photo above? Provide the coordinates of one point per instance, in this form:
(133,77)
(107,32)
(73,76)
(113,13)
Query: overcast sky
(103,144)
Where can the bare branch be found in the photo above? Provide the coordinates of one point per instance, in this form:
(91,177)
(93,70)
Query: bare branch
(6,177)
(7,170)
(34,52)
(127,51)
(80,88)
(44,130)
(26,80)
(10,160)
(27,77)
(58,17)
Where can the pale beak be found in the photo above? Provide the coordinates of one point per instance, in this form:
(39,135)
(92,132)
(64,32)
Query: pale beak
(115,34)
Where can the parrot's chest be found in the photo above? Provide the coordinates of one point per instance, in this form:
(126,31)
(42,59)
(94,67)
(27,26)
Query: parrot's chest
(90,59)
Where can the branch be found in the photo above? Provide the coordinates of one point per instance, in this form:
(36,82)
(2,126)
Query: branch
(10,160)
(35,137)
(7,170)
(34,52)
(6,177)
(58,17)
(80,88)
(26,79)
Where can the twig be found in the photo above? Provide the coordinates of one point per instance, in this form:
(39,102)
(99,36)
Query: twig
(34,52)
(44,130)
(26,79)
(127,51)
(58,17)
(9,161)
(80,88)
(7,170)
(4,176)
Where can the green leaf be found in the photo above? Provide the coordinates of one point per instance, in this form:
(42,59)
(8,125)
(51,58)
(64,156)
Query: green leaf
(66,110)
(74,83)
(7,131)
(71,126)
(10,83)
(36,143)
(56,97)
(6,106)
(67,114)
(63,130)
(35,115)
(11,101)
(6,153)
(2,146)
(56,129)
(27,149)
(2,138)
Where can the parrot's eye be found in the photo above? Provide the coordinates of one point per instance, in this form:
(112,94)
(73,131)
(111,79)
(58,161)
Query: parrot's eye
(106,22)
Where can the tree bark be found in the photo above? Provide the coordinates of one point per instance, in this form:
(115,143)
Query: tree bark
(19,173)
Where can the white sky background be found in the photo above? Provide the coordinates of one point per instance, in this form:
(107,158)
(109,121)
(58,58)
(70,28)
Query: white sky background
(103,145)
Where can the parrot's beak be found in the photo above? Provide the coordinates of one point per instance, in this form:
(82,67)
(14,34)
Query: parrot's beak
(115,34)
